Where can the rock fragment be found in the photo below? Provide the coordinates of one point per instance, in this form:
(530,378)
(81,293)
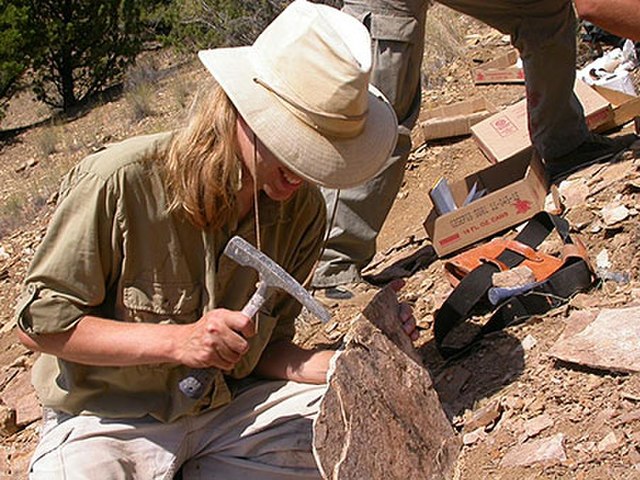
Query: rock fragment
(515,277)
(20,395)
(8,425)
(546,450)
(486,417)
(610,342)
(613,214)
(609,443)
(574,192)
(534,426)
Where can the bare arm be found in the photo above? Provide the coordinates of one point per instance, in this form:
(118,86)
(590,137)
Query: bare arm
(285,360)
(216,340)
(620,17)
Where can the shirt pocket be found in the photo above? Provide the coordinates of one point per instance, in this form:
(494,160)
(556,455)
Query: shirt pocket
(152,302)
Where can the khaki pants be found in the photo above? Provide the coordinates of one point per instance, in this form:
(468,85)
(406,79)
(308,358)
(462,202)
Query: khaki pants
(544,33)
(264,433)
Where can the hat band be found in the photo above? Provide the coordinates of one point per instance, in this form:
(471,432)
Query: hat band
(327,123)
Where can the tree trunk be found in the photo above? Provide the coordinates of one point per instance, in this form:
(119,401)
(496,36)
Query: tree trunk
(67,84)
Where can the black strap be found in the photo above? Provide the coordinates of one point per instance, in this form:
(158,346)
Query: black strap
(472,289)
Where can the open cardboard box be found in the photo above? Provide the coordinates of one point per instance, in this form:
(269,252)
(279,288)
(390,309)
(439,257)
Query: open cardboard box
(506,133)
(503,69)
(625,108)
(455,119)
(515,191)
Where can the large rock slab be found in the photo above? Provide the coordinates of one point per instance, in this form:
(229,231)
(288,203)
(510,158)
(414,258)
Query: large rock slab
(381,417)
(610,342)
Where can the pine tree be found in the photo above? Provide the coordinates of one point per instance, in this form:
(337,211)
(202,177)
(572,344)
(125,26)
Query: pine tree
(14,38)
(82,46)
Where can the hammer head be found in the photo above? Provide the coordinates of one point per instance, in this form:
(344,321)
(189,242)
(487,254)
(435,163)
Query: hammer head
(273,275)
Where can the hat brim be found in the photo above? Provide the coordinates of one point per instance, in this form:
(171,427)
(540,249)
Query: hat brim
(326,161)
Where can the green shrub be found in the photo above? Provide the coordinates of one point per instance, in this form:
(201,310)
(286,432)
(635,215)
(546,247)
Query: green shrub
(14,38)
(83,46)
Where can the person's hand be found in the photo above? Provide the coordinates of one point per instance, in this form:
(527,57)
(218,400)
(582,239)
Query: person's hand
(405,313)
(217,340)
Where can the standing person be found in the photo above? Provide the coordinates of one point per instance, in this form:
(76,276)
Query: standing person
(544,33)
(129,289)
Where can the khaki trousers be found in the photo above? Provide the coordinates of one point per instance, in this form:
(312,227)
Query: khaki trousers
(544,33)
(264,433)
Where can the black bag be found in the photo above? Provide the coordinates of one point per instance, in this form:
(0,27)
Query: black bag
(574,275)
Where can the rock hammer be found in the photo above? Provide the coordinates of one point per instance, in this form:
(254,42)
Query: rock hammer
(271,276)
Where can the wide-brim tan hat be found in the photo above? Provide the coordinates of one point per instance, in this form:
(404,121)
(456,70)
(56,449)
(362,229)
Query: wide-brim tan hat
(303,88)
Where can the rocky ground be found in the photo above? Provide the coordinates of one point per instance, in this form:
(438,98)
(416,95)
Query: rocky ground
(519,410)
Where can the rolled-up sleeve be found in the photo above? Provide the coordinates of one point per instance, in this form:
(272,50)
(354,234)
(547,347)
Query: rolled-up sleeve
(77,260)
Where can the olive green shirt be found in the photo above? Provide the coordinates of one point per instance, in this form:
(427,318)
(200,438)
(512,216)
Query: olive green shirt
(112,250)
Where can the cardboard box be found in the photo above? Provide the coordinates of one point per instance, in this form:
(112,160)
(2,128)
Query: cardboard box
(506,133)
(516,190)
(455,119)
(503,69)
(625,108)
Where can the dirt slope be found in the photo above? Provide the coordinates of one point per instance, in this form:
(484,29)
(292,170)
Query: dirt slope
(508,387)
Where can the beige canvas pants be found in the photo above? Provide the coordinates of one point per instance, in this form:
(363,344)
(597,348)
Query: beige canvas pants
(544,33)
(264,433)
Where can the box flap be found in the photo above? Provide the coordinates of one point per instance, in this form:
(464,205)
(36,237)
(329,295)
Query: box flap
(506,133)
(516,190)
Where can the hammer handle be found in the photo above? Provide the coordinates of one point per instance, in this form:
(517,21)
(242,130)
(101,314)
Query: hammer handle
(193,385)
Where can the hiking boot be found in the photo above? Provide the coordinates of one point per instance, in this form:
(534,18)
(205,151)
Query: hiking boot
(339,292)
(596,148)
(343,292)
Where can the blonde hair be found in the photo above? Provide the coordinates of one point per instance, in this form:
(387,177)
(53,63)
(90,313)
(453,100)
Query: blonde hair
(201,165)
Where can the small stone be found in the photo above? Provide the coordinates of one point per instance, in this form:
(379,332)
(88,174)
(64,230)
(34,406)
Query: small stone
(634,457)
(595,227)
(634,397)
(473,437)
(537,424)
(602,260)
(628,417)
(536,406)
(529,342)
(486,417)
(586,447)
(8,424)
(574,192)
(20,362)
(609,443)
(515,277)
(513,403)
(584,301)
(613,214)
(548,451)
